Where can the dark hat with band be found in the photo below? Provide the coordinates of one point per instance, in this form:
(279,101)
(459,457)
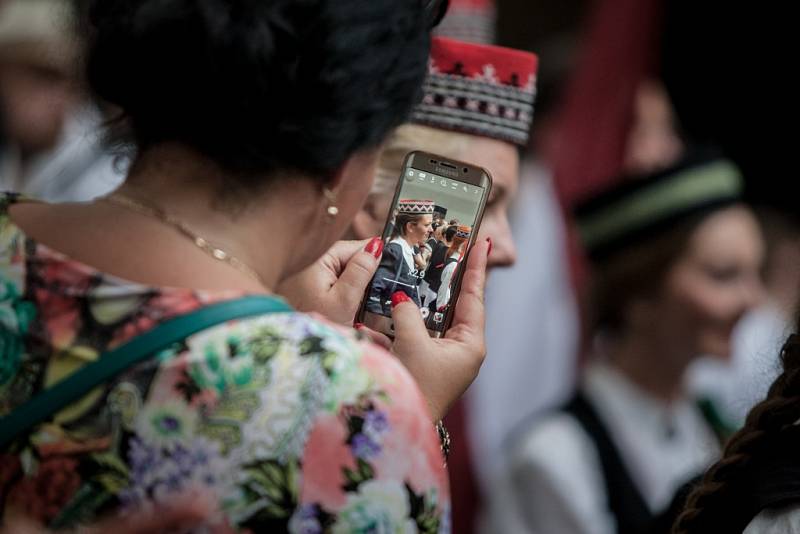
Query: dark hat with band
(479,89)
(641,208)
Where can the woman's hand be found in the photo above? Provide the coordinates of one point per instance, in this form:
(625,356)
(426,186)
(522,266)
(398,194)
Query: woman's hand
(444,368)
(334,285)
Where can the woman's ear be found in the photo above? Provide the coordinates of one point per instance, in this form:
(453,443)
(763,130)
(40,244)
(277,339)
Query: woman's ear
(369,220)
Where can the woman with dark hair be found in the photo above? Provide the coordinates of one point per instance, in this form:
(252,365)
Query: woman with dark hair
(399,269)
(676,263)
(144,353)
(755,487)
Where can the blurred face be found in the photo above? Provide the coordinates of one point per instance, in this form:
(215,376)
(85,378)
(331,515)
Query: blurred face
(35,101)
(417,232)
(502,161)
(713,285)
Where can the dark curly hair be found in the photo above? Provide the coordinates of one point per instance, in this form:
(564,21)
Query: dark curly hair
(259,86)
(728,497)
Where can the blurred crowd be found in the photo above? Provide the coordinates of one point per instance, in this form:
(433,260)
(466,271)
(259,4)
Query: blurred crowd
(648,263)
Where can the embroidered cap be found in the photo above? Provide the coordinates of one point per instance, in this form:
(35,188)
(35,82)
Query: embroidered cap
(441,211)
(642,207)
(415,207)
(474,21)
(479,89)
(463,232)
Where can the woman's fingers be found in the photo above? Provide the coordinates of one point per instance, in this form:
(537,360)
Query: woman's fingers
(409,328)
(360,260)
(376,337)
(335,284)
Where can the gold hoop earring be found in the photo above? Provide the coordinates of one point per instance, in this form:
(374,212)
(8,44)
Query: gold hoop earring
(330,196)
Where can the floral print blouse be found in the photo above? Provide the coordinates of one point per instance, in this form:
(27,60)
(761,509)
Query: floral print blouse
(294,424)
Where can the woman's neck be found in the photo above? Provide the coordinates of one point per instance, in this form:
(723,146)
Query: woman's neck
(656,369)
(252,227)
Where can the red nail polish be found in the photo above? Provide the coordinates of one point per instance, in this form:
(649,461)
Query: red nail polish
(398,298)
(375,247)
(489,240)
(358,326)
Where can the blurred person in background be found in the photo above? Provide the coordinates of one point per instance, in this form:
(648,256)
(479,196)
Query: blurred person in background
(600,111)
(533,327)
(51,146)
(695,37)
(676,263)
(734,386)
(477,108)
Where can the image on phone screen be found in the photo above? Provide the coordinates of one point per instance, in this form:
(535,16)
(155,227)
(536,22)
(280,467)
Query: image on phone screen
(426,240)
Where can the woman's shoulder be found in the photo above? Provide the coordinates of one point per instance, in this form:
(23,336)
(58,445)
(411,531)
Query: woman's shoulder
(344,361)
(394,246)
(781,521)
(316,396)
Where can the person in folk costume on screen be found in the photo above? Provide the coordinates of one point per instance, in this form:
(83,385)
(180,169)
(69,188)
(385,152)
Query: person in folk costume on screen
(452,259)
(426,252)
(478,107)
(433,274)
(676,262)
(398,270)
(433,239)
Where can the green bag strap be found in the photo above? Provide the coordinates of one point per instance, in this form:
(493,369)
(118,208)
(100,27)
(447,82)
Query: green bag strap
(46,403)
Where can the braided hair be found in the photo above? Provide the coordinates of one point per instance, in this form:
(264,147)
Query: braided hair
(726,499)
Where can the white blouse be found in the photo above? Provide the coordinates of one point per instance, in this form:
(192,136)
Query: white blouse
(786,521)
(408,252)
(443,297)
(555,470)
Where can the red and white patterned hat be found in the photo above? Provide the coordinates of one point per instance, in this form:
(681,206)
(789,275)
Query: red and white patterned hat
(479,89)
(464,232)
(473,21)
(415,207)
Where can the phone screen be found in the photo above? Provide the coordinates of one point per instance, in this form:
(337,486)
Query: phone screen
(428,233)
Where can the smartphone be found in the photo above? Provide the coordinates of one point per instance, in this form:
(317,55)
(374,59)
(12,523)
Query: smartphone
(432,224)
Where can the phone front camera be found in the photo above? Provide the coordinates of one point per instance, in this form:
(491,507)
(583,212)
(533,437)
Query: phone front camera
(466,170)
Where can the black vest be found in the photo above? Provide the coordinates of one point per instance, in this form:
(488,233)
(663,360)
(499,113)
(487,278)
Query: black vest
(625,501)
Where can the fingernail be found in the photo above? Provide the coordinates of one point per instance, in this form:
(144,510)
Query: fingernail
(398,298)
(489,240)
(375,247)
(358,326)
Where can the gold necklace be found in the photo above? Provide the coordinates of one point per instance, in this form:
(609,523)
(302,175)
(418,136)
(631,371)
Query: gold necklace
(202,243)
